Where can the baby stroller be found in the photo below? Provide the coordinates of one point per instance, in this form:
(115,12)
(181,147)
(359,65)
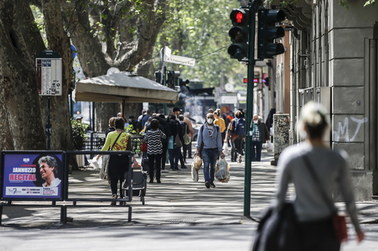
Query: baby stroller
(139,188)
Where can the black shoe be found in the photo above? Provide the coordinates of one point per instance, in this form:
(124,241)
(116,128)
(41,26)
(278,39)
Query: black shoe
(114,202)
(183,167)
(151,181)
(207,184)
(212,185)
(158,181)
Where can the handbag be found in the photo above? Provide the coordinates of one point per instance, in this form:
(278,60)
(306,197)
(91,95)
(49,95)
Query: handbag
(339,221)
(178,143)
(187,139)
(143,147)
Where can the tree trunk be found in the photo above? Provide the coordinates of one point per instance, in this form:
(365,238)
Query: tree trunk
(58,41)
(19,107)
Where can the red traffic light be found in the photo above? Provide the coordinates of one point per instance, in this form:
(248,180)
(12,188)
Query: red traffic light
(239,17)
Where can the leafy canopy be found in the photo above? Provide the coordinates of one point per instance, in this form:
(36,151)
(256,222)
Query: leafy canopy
(199,29)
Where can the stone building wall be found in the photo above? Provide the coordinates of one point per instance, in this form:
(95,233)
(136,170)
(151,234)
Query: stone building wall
(338,62)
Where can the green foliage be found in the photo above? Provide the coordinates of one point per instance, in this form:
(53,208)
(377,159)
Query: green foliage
(78,133)
(369,2)
(199,29)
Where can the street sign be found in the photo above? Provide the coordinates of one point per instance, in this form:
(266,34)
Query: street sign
(169,58)
(49,74)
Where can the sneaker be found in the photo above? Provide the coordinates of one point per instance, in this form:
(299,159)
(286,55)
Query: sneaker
(212,185)
(207,184)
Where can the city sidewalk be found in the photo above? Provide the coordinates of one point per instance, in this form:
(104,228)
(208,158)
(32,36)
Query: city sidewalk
(178,214)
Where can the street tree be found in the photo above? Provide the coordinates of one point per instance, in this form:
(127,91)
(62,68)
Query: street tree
(106,34)
(199,30)
(118,34)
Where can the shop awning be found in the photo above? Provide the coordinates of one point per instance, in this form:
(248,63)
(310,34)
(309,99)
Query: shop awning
(123,87)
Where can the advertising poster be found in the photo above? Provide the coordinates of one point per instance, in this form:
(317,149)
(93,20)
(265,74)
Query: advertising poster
(32,176)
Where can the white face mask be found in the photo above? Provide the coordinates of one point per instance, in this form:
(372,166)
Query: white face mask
(210,120)
(255,121)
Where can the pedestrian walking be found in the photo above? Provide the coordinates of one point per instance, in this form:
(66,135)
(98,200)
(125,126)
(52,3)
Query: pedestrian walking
(236,132)
(186,141)
(317,173)
(188,147)
(209,147)
(117,140)
(164,127)
(175,139)
(219,121)
(153,138)
(260,135)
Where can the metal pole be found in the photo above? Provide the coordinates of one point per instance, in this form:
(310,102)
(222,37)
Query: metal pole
(163,78)
(248,143)
(48,124)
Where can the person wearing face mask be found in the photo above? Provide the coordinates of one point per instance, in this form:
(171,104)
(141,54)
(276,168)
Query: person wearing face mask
(260,135)
(209,147)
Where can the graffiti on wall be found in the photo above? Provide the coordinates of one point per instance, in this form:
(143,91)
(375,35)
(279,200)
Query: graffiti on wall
(344,129)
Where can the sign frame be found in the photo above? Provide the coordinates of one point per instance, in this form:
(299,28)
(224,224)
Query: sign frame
(49,73)
(19,172)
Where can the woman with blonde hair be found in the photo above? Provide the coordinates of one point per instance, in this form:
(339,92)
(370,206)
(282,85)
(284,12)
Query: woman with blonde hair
(317,173)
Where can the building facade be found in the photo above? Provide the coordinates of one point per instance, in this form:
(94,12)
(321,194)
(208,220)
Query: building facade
(331,58)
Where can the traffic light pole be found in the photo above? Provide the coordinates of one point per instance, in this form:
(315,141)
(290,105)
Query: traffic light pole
(250,75)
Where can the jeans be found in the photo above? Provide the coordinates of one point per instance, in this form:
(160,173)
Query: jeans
(154,161)
(164,154)
(209,157)
(256,150)
(234,153)
(239,145)
(174,158)
(186,149)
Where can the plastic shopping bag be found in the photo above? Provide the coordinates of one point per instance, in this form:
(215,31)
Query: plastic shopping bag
(196,166)
(222,170)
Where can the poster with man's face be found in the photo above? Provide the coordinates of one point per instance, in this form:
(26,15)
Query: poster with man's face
(32,175)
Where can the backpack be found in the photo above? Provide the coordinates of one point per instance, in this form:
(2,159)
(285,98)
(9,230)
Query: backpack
(239,128)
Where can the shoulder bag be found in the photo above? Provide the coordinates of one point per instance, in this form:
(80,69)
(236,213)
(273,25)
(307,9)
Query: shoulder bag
(339,221)
(278,230)
(105,161)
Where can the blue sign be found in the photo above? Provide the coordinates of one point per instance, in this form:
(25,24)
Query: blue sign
(32,175)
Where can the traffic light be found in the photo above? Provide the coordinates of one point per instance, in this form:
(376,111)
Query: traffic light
(173,79)
(268,32)
(158,76)
(239,33)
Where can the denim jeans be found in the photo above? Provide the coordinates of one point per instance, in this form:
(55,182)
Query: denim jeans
(256,150)
(174,155)
(209,157)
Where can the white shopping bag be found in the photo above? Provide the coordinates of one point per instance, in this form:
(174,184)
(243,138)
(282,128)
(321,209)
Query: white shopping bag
(222,170)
